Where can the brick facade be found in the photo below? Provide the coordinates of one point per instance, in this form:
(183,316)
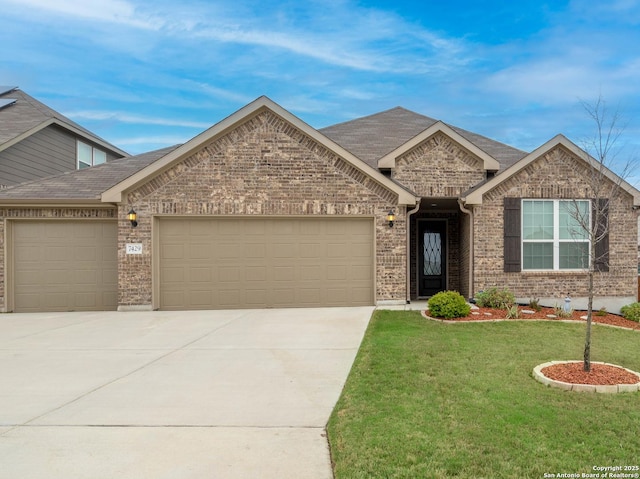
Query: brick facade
(438,167)
(555,175)
(263,167)
(265,163)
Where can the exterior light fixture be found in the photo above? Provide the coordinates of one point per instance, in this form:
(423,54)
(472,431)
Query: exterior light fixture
(133,217)
(391,217)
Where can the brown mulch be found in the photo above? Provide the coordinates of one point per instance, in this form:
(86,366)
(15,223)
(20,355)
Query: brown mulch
(600,374)
(485,314)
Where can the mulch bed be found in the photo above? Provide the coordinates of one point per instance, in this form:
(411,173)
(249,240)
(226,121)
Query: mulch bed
(600,374)
(485,314)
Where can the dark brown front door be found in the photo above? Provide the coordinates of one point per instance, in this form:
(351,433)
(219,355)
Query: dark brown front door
(432,241)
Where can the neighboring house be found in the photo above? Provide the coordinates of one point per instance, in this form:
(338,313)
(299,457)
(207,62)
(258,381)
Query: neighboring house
(36,141)
(262,210)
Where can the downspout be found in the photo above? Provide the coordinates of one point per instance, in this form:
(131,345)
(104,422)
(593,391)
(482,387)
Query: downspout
(409,213)
(470,213)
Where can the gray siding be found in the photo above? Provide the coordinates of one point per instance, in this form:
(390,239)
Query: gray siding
(48,152)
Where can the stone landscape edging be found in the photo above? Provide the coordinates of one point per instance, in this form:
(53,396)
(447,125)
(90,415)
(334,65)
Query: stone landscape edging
(608,389)
(496,320)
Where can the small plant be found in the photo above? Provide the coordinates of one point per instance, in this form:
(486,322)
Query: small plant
(631,311)
(602,312)
(560,312)
(534,303)
(513,312)
(495,298)
(448,304)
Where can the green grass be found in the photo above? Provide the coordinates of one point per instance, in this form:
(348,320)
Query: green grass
(432,400)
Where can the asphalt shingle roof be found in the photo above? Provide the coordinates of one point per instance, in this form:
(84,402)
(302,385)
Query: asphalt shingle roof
(85,184)
(372,137)
(368,138)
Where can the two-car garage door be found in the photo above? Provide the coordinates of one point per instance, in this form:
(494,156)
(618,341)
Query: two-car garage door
(265,262)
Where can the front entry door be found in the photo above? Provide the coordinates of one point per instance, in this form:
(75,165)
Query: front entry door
(432,241)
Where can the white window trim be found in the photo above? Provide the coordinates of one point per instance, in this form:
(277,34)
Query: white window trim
(93,154)
(556,236)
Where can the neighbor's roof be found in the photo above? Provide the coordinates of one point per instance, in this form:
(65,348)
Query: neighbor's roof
(27,115)
(372,137)
(85,184)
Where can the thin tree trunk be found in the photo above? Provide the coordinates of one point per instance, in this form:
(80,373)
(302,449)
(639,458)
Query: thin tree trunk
(587,342)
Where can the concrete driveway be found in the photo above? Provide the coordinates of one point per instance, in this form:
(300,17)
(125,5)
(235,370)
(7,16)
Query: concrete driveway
(198,394)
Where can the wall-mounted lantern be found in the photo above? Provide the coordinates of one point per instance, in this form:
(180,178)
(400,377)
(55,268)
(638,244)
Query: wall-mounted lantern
(133,217)
(391,217)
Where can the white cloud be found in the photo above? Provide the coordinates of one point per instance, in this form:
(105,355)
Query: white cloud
(151,140)
(114,11)
(121,117)
(341,34)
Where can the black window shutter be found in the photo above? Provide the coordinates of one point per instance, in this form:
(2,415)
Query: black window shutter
(512,242)
(601,230)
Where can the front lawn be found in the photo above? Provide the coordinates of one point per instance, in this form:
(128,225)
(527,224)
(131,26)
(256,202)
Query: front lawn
(432,400)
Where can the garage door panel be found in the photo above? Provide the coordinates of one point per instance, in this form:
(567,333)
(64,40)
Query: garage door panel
(64,265)
(173,251)
(267,262)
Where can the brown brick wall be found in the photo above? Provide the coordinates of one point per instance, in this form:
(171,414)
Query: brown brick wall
(41,213)
(438,167)
(556,175)
(263,167)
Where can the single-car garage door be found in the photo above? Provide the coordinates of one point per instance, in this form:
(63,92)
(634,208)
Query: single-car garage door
(64,265)
(225,263)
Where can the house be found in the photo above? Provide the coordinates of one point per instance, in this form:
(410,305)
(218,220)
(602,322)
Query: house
(262,210)
(36,141)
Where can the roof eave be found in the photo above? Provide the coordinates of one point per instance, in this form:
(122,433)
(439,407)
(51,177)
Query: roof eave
(53,202)
(475,197)
(56,121)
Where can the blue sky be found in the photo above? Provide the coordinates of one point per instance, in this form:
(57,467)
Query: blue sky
(147,74)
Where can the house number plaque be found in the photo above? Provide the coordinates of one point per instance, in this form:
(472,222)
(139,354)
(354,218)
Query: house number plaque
(134,248)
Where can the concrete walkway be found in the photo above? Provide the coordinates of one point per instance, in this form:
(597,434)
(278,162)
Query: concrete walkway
(201,394)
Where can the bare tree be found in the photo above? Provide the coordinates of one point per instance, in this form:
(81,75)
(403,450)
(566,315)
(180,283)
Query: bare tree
(604,187)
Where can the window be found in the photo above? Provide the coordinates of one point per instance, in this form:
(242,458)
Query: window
(89,156)
(554,235)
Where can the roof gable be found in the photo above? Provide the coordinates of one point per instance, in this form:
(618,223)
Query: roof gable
(373,137)
(116,193)
(475,196)
(26,116)
(389,160)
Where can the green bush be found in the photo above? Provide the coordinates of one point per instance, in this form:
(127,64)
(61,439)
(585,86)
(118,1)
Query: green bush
(495,298)
(602,312)
(534,303)
(448,304)
(631,311)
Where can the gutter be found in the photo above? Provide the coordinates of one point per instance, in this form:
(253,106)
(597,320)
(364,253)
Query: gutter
(471,246)
(409,213)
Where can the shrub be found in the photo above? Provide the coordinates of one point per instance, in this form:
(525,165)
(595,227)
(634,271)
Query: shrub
(448,304)
(534,303)
(601,312)
(513,312)
(631,311)
(495,298)
(561,313)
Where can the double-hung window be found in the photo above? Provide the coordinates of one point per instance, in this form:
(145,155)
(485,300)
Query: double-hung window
(89,156)
(555,234)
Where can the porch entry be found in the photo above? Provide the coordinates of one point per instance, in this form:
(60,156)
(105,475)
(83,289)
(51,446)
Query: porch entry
(432,264)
